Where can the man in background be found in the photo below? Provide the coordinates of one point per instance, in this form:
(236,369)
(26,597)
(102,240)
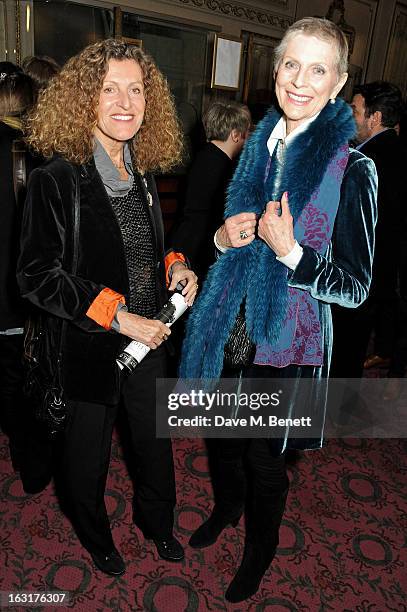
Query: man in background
(227,126)
(377,109)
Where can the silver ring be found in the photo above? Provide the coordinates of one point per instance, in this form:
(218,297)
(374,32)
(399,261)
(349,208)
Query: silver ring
(243,234)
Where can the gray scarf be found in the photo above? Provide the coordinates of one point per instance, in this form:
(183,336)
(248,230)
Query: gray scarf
(114,185)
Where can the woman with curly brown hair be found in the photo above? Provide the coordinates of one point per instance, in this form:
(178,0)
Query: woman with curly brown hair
(106,122)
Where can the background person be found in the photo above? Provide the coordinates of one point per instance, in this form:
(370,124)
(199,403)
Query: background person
(312,246)
(41,69)
(106,120)
(377,109)
(16,96)
(226,126)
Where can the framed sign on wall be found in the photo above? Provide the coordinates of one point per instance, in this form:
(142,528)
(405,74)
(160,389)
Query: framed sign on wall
(227,59)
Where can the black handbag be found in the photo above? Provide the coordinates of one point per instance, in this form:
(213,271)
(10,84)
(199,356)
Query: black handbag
(239,349)
(43,345)
(43,381)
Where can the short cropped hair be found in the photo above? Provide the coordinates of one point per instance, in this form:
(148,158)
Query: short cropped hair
(321,28)
(16,94)
(65,116)
(223,117)
(384,97)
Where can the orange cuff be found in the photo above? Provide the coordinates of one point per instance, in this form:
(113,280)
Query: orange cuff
(104,306)
(171,258)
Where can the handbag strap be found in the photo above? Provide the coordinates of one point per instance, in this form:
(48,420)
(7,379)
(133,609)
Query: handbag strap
(76,222)
(75,256)
(18,151)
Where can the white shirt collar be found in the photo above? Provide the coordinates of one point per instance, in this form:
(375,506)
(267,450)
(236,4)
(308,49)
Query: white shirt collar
(280,132)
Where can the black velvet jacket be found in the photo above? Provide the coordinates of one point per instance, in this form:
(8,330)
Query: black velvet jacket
(90,372)
(205,198)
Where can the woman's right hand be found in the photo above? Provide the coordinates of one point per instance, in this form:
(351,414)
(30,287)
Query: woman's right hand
(229,235)
(148,331)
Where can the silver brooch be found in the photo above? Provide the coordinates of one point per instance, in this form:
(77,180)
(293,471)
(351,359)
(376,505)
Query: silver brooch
(149,196)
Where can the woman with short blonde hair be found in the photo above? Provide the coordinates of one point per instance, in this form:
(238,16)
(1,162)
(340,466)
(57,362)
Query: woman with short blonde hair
(298,236)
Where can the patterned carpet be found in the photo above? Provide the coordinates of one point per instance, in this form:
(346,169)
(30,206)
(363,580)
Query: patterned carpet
(343,540)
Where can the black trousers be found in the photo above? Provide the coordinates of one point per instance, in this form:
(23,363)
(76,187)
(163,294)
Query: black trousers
(15,417)
(398,360)
(86,454)
(31,452)
(351,333)
(245,469)
(11,382)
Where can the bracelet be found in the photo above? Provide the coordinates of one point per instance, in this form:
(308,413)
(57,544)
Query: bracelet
(220,247)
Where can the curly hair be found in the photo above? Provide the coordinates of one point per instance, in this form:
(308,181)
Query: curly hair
(65,116)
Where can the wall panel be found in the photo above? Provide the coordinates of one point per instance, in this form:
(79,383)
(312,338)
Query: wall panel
(360,15)
(396,59)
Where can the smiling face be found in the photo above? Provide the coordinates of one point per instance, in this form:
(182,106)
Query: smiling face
(121,104)
(307,78)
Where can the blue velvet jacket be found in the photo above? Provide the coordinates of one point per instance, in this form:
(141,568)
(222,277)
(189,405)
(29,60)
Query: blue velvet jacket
(340,275)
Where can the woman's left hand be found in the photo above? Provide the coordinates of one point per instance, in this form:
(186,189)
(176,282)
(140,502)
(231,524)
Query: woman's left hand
(277,230)
(181,274)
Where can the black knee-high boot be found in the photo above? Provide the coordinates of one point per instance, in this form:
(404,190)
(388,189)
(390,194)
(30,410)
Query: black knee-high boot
(263,520)
(229,485)
(210,530)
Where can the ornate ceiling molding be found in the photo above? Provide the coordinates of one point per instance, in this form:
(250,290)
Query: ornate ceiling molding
(241,11)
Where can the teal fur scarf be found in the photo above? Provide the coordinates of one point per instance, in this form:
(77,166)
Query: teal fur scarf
(253,272)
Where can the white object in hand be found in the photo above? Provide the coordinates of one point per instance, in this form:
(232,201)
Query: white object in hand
(136,351)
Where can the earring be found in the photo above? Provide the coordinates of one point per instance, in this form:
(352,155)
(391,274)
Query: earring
(332,100)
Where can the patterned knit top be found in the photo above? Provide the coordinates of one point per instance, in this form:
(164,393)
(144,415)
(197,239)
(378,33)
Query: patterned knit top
(135,226)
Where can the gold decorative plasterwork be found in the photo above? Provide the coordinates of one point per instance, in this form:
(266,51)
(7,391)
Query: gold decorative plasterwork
(241,11)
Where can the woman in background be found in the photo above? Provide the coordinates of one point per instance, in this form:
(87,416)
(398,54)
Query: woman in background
(41,69)
(16,97)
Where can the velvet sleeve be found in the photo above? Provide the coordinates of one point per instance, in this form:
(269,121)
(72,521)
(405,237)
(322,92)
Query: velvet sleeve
(40,272)
(343,276)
